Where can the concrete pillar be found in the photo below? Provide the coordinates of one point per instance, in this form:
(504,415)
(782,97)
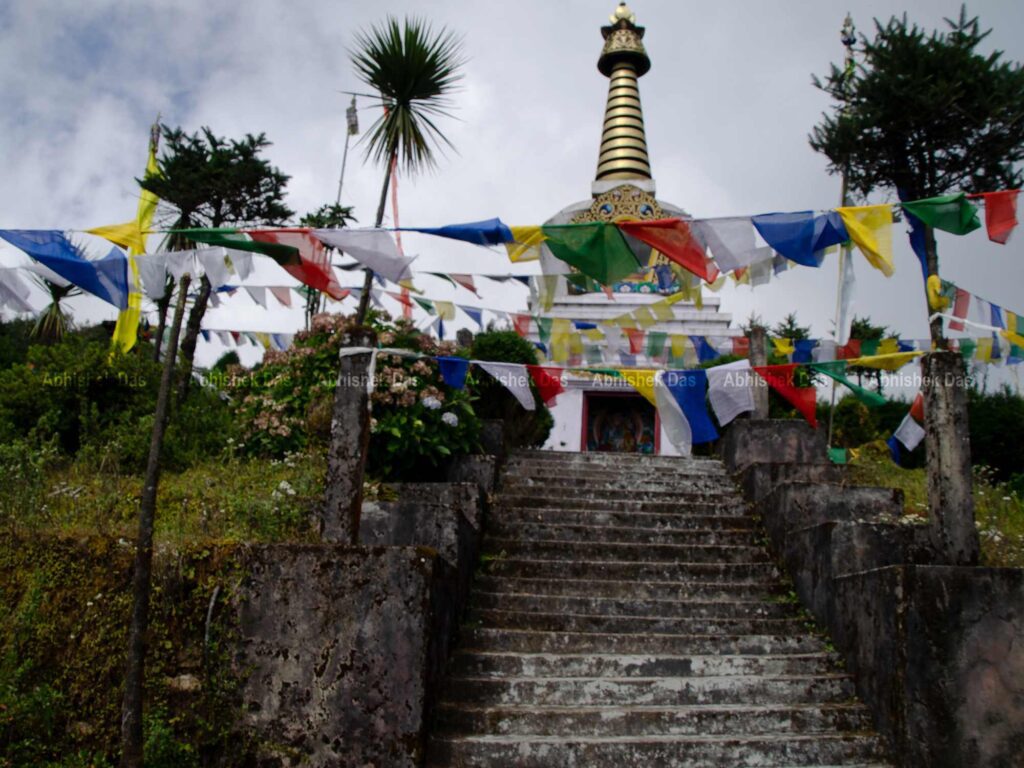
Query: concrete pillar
(951,517)
(350,437)
(759,357)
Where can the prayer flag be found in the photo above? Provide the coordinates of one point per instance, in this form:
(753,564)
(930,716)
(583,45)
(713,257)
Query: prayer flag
(950,213)
(1000,214)
(548,381)
(960,307)
(870,228)
(642,380)
(731,242)
(526,244)
(730,390)
(453,371)
(689,389)
(597,250)
(909,432)
(780,378)
(801,236)
(475,314)
(375,249)
(891,362)
(488,232)
(521,323)
(636,340)
(514,378)
(673,238)
(835,371)
(671,415)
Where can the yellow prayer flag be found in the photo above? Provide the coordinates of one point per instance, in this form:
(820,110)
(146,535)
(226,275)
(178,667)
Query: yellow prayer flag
(593,334)
(445,310)
(642,380)
(560,343)
(678,343)
(783,347)
(888,347)
(527,244)
(983,351)
(546,287)
(936,301)
(644,317)
(1013,338)
(717,285)
(891,362)
(264,340)
(575,344)
(663,309)
(870,228)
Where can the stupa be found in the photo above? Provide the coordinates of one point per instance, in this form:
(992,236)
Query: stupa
(605,413)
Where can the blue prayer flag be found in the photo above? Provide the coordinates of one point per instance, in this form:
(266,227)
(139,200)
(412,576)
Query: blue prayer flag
(453,371)
(476,315)
(106,278)
(689,389)
(894,448)
(705,352)
(489,232)
(803,349)
(801,236)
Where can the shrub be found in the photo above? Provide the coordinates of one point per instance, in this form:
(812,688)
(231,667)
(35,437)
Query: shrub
(494,401)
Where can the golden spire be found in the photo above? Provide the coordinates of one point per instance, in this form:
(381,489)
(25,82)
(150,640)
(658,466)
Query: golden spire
(623,60)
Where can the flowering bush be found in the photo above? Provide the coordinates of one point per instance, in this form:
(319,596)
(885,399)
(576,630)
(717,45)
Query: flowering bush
(418,422)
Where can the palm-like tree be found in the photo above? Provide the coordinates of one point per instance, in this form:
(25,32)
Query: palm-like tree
(415,71)
(53,322)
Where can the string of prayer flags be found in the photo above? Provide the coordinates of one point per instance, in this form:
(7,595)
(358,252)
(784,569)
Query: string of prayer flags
(780,378)
(835,370)
(674,239)
(801,236)
(870,229)
(375,249)
(106,277)
(548,381)
(487,232)
(1000,214)
(453,371)
(730,390)
(597,250)
(514,378)
(950,213)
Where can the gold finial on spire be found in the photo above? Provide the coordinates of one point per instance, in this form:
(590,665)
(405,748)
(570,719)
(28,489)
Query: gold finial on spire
(623,60)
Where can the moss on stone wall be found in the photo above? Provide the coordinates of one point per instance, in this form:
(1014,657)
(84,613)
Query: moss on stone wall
(64,607)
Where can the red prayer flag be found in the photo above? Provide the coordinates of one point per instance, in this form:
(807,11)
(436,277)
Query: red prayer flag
(960,306)
(636,340)
(741,346)
(673,238)
(402,298)
(1000,214)
(917,409)
(548,381)
(466,281)
(314,267)
(849,350)
(522,324)
(780,378)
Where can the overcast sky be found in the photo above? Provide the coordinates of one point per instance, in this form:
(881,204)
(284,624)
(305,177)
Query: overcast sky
(728,105)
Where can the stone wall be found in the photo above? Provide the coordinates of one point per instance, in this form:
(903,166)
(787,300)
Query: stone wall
(937,651)
(342,649)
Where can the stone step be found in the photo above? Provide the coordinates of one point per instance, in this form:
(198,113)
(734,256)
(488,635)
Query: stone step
(484,664)
(599,497)
(612,483)
(498,640)
(608,457)
(628,570)
(695,505)
(584,622)
(530,531)
(618,462)
(653,721)
(655,520)
(650,691)
(701,751)
(630,606)
(624,551)
(634,590)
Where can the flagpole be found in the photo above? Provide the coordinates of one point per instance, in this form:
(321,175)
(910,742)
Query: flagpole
(846,34)
(352,128)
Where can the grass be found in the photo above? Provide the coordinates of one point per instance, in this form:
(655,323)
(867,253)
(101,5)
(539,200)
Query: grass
(998,510)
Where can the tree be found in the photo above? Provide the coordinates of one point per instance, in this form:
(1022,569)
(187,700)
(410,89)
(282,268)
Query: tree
(414,70)
(327,216)
(53,322)
(790,329)
(862,330)
(215,182)
(925,115)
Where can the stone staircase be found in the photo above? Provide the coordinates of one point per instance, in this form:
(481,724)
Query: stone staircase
(627,615)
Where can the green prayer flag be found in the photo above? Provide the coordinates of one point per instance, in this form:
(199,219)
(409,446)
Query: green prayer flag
(544,329)
(232,238)
(426,304)
(869,347)
(950,213)
(835,370)
(967,347)
(837,455)
(656,343)
(597,250)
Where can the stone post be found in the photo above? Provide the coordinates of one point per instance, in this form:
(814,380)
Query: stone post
(759,357)
(350,437)
(952,531)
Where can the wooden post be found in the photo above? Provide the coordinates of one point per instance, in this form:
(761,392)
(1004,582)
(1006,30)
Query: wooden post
(350,437)
(953,533)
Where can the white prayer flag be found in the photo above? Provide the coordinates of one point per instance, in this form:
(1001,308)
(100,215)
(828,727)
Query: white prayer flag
(373,248)
(514,377)
(730,390)
(909,433)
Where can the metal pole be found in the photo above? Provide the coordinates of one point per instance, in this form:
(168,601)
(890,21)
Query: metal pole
(352,127)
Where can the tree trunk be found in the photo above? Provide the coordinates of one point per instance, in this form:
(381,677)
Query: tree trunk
(932,261)
(188,343)
(131,710)
(759,357)
(364,298)
(162,306)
